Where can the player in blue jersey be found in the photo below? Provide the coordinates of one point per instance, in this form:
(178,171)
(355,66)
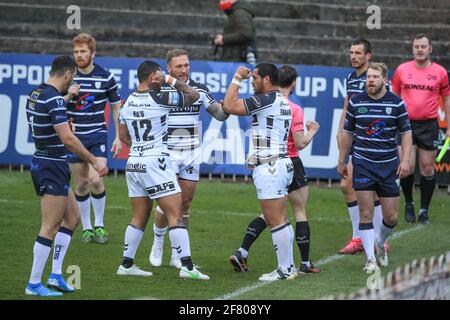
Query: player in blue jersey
(86,107)
(372,121)
(47,119)
(360,55)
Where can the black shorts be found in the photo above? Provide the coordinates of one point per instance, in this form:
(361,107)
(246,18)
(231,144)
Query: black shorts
(425,133)
(300,179)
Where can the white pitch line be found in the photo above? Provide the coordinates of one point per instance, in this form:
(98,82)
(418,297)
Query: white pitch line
(327,260)
(11,201)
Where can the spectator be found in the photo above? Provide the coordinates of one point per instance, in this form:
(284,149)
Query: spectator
(238,40)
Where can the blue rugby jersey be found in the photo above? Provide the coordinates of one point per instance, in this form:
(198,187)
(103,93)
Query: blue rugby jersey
(88,108)
(355,84)
(45,109)
(374,124)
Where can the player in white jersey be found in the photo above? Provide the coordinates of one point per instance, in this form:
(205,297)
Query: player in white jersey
(184,147)
(149,172)
(272,168)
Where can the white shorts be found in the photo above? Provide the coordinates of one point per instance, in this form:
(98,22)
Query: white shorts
(186,163)
(272,179)
(152,177)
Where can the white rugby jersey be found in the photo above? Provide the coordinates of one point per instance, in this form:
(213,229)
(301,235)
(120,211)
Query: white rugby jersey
(183,132)
(271,121)
(146,114)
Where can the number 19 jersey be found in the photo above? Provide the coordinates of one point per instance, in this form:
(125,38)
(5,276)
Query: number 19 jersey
(145,114)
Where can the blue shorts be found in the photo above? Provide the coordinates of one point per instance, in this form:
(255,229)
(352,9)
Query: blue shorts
(96,143)
(379,177)
(50,176)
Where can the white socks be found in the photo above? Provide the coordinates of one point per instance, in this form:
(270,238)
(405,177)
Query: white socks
(368,239)
(41,251)
(179,240)
(61,244)
(385,232)
(282,242)
(133,237)
(158,234)
(98,203)
(84,203)
(353,211)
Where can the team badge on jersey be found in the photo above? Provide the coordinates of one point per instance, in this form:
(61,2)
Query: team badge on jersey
(34,95)
(98,84)
(388,110)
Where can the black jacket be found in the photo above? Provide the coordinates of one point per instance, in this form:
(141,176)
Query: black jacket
(238,32)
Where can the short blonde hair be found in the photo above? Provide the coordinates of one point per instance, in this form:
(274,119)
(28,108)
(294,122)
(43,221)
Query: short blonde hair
(85,38)
(175,53)
(379,66)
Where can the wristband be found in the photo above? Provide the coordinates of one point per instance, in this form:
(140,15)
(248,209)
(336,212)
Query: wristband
(236,82)
(238,75)
(171,80)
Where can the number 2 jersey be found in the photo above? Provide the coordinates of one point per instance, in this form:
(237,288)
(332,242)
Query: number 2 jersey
(146,115)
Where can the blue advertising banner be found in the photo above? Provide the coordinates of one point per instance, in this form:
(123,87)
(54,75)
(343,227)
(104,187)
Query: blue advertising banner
(319,90)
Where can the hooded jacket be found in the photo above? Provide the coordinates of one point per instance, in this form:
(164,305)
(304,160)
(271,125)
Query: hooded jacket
(238,32)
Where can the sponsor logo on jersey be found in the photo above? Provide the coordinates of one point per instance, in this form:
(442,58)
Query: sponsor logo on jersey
(161,188)
(136,167)
(418,87)
(85,102)
(142,148)
(375,128)
(362,110)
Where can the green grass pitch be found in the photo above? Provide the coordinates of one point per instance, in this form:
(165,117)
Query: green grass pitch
(220,214)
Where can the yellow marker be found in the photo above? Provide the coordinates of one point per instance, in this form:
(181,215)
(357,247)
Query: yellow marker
(443,150)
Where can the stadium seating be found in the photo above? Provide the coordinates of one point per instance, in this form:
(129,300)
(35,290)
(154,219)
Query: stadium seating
(298,31)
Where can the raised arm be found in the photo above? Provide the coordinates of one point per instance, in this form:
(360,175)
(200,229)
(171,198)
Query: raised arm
(301,140)
(231,103)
